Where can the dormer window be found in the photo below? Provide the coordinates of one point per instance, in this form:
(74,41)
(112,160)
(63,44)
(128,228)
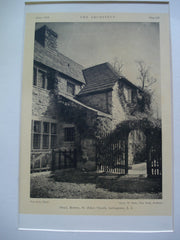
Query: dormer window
(70,88)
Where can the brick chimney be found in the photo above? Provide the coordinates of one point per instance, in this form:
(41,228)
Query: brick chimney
(47,38)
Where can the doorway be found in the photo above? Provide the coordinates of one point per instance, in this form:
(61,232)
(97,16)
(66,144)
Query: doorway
(137,162)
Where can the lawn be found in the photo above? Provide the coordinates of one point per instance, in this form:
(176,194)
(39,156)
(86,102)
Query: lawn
(76,184)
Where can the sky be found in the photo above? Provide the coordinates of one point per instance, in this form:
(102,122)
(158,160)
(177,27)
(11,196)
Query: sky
(90,44)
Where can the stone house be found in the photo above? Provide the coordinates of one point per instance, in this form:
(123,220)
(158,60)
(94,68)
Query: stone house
(113,94)
(71,106)
(57,79)
(109,92)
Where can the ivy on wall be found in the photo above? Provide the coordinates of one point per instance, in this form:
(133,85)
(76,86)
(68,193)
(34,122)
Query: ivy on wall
(140,104)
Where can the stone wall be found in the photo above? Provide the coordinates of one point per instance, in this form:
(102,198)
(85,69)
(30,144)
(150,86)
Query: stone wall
(98,125)
(84,122)
(43,103)
(44,106)
(88,154)
(124,103)
(62,86)
(118,113)
(100,101)
(104,125)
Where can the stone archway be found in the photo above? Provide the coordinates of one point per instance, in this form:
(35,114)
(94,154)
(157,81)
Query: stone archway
(153,143)
(137,159)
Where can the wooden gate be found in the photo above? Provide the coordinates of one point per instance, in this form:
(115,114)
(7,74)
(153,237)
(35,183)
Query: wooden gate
(111,156)
(154,164)
(63,159)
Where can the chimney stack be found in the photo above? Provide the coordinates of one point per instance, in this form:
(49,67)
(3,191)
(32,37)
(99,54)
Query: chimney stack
(47,38)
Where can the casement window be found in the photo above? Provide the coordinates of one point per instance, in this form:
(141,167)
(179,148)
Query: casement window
(53,135)
(37,135)
(40,78)
(69,134)
(70,88)
(44,135)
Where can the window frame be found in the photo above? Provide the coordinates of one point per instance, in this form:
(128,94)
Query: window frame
(36,134)
(40,82)
(43,134)
(69,134)
(53,136)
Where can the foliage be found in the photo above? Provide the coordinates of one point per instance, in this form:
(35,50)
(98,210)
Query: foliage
(144,76)
(72,113)
(144,101)
(144,124)
(112,147)
(109,152)
(140,103)
(118,65)
(140,155)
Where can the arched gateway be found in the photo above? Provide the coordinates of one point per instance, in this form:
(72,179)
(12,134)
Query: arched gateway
(112,149)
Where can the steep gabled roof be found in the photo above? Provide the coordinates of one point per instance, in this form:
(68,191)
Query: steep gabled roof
(59,62)
(100,78)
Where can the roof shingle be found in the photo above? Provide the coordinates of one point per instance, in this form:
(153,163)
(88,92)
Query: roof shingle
(100,78)
(59,62)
